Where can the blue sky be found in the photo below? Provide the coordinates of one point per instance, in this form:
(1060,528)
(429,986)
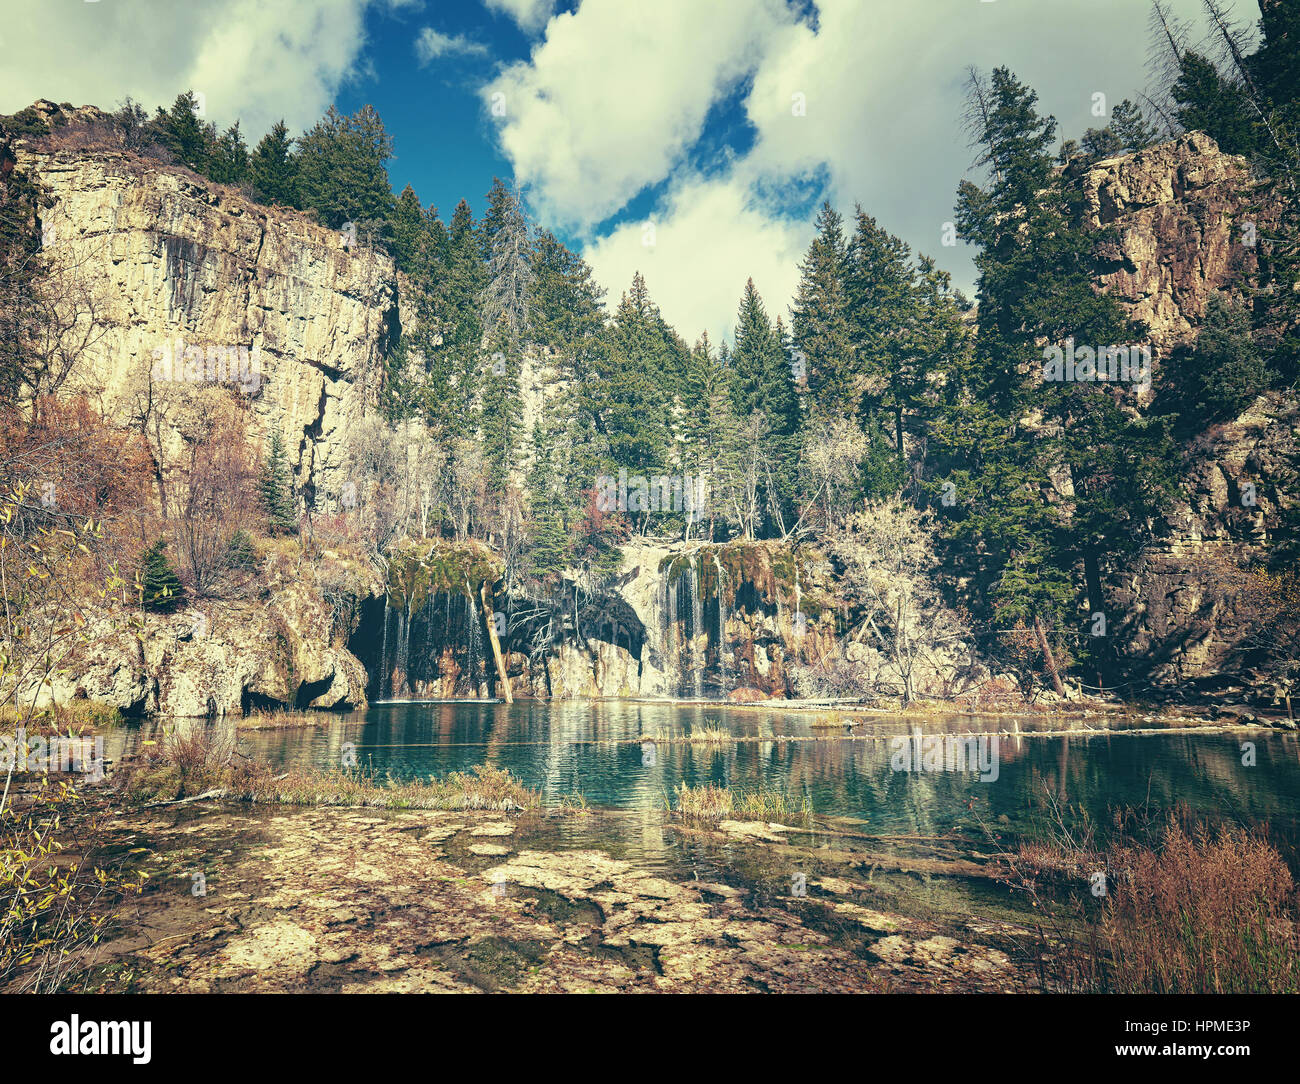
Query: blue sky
(689,140)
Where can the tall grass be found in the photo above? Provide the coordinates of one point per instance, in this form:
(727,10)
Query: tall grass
(1165,905)
(713,804)
(74,717)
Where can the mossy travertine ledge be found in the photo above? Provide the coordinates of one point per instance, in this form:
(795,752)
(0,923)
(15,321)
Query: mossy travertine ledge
(419,570)
(777,572)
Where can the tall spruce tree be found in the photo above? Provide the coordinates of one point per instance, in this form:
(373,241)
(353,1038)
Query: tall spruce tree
(275,484)
(1051,475)
(272,168)
(342,169)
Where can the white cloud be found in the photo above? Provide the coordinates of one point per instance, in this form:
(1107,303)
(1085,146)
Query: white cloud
(251,60)
(530,15)
(431,44)
(609,102)
(710,235)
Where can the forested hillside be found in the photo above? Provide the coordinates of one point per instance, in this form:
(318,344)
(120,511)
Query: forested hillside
(976,481)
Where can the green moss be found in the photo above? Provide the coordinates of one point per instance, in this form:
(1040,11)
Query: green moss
(417,571)
(773,569)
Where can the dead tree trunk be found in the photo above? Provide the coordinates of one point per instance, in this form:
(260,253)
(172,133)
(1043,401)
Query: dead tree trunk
(496,644)
(1047,654)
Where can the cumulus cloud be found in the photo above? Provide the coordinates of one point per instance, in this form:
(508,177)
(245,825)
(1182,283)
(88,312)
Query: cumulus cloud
(430,45)
(866,94)
(251,60)
(709,235)
(530,15)
(616,93)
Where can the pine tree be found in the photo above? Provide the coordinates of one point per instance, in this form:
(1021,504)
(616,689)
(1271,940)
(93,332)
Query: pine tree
(1037,268)
(819,325)
(229,161)
(182,132)
(1223,372)
(630,393)
(762,383)
(161,587)
(407,230)
(450,330)
(342,169)
(883,312)
(509,263)
(762,372)
(273,169)
(276,487)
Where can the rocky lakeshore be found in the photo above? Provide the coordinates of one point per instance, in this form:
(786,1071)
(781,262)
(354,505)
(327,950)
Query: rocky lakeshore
(359,900)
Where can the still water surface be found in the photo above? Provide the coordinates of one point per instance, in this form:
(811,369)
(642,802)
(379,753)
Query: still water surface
(598,750)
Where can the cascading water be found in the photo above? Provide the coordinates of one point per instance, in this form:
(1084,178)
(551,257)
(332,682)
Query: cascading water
(385,675)
(403,652)
(475,639)
(723,683)
(697,625)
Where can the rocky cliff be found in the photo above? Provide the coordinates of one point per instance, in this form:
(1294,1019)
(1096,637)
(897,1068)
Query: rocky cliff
(177,271)
(1188,219)
(176,268)
(180,284)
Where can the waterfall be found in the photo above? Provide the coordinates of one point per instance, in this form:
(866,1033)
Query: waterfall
(674,650)
(722,630)
(403,651)
(385,675)
(475,643)
(697,626)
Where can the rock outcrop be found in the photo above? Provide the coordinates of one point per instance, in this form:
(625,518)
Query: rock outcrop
(179,284)
(1188,219)
(171,262)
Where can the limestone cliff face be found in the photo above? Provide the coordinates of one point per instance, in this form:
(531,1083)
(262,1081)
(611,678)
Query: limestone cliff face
(187,284)
(1186,215)
(170,261)
(1183,211)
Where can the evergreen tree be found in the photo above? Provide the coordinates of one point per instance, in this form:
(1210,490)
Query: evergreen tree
(1223,372)
(229,160)
(1008,435)
(762,375)
(1127,131)
(273,170)
(509,263)
(762,383)
(883,303)
(630,397)
(819,325)
(342,169)
(1207,101)
(182,132)
(276,487)
(407,230)
(161,587)
(450,330)
(710,430)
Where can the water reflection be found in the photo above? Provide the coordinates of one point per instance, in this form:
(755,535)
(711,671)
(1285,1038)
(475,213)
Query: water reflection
(603,751)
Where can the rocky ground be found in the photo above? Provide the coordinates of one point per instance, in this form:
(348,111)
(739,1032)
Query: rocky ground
(333,899)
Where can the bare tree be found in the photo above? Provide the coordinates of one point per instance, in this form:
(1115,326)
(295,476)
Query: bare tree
(887,552)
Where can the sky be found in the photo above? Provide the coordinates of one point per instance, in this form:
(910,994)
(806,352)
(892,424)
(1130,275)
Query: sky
(692,140)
